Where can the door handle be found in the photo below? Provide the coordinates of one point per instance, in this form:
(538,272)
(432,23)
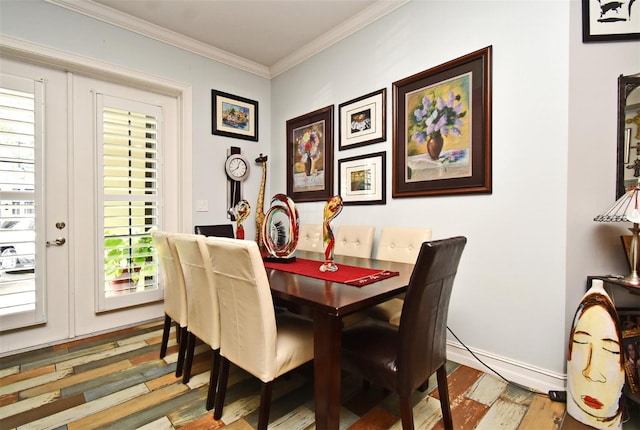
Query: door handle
(58,242)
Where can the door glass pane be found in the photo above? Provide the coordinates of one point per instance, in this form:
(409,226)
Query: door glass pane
(18,123)
(130,201)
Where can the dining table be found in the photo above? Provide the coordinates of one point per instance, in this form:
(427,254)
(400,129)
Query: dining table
(328,303)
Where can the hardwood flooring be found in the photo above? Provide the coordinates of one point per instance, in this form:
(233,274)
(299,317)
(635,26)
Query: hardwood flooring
(118,381)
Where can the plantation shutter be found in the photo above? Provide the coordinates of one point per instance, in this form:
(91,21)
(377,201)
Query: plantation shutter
(128,182)
(21,113)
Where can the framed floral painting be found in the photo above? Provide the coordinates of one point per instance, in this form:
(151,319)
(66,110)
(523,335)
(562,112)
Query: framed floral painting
(442,129)
(310,156)
(234,116)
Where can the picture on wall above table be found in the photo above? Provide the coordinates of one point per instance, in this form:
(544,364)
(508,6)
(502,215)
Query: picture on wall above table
(363,121)
(310,156)
(234,116)
(362,179)
(442,129)
(604,20)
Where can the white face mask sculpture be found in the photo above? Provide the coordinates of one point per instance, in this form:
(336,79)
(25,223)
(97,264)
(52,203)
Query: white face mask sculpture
(595,371)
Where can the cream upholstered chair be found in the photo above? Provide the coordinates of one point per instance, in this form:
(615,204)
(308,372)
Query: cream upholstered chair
(252,337)
(354,240)
(175,295)
(310,238)
(401,244)
(202,305)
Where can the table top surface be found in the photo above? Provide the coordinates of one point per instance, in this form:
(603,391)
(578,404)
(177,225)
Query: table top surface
(336,298)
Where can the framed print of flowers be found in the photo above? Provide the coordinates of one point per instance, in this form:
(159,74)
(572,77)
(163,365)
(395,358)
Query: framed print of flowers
(310,156)
(442,129)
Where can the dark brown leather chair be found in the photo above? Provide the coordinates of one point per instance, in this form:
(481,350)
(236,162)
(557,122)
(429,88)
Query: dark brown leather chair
(402,358)
(217,230)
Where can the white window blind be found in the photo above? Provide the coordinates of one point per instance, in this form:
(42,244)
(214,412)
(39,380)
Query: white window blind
(21,293)
(128,170)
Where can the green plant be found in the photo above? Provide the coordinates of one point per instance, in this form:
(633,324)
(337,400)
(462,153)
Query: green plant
(129,254)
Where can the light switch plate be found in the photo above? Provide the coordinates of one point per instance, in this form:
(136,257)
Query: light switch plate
(202,206)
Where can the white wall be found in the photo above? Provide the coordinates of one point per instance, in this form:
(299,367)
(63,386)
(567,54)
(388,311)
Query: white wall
(509,297)
(531,243)
(53,26)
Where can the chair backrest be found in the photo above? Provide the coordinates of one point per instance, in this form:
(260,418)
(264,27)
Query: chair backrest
(218,230)
(354,240)
(202,299)
(175,293)
(401,244)
(310,238)
(246,307)
(423,322)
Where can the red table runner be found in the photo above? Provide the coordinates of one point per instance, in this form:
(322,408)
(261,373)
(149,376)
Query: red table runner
(350,275)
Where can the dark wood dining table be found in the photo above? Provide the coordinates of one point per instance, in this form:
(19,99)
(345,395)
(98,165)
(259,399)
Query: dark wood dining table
(328,303)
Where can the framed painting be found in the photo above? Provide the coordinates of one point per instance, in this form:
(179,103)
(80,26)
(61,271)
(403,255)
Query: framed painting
(310,156)
(362,179)
(442,129)
(363,120)
(604,21)
(630,328)
(234,116)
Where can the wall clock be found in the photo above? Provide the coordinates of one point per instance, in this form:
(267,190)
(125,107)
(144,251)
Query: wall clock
(237,167)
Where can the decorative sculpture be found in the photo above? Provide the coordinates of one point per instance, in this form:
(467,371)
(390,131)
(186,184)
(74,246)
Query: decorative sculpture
(262,159)
(332,208)
(281,228)
(595,366)
(241,211)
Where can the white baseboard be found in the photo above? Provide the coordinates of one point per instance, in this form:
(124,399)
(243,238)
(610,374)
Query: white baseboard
(520,373)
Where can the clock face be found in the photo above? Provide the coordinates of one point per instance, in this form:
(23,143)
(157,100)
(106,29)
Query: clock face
(237,167)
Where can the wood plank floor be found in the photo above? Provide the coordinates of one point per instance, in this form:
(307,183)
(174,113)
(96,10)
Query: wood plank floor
(118,381)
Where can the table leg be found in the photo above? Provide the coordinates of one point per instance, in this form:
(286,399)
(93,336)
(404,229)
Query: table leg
(327,345)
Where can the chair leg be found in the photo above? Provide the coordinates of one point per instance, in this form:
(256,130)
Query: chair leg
(178,333)
(188,361)
(213,379)
(443,392)
(265,405)
(165,335)
(184,335)
(222,388)
(406,412)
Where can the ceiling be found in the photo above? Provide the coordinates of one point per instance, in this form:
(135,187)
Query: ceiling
(265,37)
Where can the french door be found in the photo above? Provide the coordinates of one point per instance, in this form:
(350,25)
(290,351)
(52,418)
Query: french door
(59,280)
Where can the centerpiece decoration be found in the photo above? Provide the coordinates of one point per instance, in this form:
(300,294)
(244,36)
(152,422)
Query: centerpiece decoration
(280,229)
(332,209)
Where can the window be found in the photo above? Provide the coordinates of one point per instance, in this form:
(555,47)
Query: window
(21,294)
(128,147)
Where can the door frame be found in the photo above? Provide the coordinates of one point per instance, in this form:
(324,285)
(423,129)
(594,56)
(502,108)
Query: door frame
(55,59)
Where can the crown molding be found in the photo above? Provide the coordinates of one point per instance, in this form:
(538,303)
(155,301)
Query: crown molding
(340,32)
(161,34)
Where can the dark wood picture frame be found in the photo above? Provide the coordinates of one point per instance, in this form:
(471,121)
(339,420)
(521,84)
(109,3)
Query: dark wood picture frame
(630,329)
(234,116)
(443,147)
(610,21)
(362,180)
(363,120)
(310,156)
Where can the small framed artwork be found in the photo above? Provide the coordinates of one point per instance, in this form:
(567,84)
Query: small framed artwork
(630,328)
(362,179)
(310,156)
(604,20)
(234,116)
(363,120)
(442,129)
